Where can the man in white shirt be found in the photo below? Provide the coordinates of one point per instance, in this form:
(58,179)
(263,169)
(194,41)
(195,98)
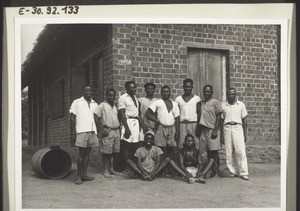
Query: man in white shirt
(145,103)
(84,127)
(188,112)
(167,133)
(234,130)
(128,108)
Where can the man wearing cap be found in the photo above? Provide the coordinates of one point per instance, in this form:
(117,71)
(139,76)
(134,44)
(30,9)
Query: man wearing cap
(145,103)
(234,131)
(149,159)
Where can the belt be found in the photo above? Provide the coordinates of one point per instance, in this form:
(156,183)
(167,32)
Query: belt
(231,123)
(133,117)
(109,128)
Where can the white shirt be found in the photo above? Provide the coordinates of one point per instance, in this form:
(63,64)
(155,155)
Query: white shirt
(165,117)
(233,113)
(188,110)
(84,115)
(126,102)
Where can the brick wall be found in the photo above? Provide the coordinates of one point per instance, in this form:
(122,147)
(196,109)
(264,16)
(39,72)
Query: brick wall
(158,53)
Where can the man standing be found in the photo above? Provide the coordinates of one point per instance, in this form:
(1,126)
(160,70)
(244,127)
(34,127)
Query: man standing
(145,103)
(83,125)
(209,113)
(188,112)
(234,130)
(128,107)
(167,119)
(106,118)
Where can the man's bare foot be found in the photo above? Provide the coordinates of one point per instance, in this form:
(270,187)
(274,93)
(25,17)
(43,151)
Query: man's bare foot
(107,174)
(111,171)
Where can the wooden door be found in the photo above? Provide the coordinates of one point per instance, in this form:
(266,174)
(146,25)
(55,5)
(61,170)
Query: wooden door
(207,66)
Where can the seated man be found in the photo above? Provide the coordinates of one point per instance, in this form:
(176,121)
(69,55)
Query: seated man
(148,159)
(190,164)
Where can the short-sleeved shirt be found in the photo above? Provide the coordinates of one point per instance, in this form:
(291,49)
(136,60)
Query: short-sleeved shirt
(148,158)
(126,102)
(163,115)
(108,114)
(84,115)
(233,113)
(145,103)
(209,111)
(188,110)
(190,159)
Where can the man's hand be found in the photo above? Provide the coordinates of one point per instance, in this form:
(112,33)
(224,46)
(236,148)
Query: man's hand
(245,137)
(176,137)
(144,175)
(214,134)
(152,175)
(127,133)
(222,139)
(104,133)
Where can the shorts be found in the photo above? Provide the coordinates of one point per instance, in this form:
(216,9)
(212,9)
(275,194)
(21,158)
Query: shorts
(134,127)
(111,142)
(164,136)
(208,144)
(87,139)
(192,170)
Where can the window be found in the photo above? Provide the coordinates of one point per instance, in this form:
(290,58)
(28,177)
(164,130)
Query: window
(56,100)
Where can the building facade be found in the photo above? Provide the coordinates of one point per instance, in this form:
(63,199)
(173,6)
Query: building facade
(66,57)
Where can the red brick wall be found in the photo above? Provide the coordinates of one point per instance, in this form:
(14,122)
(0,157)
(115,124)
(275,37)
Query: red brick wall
(157,53)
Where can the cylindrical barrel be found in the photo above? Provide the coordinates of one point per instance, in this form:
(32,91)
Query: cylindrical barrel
(53,163)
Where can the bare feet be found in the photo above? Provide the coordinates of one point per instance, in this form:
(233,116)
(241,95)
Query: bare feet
(112,172)
(107,174)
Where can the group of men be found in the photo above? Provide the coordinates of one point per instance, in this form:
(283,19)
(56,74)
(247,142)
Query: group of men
(150,132)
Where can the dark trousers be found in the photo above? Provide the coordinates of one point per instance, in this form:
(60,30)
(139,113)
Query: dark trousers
(128,150)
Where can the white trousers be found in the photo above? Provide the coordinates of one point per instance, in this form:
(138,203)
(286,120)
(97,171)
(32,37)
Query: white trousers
(236,159)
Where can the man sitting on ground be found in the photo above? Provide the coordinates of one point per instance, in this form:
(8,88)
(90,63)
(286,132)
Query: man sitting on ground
(149,159)
(190,164)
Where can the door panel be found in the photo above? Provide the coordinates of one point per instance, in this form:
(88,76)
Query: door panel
(208,67)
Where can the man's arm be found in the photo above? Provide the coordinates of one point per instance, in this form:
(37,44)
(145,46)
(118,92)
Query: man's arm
(221,130)
(244,121)
(139,164)
(157,163)
(214,134)
(200,166)
(150,115)
(73,126)
(99,125)
(197,132)
(124,121)
(177,130)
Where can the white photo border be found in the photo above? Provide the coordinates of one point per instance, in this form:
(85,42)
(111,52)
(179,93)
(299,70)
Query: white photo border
(139,14)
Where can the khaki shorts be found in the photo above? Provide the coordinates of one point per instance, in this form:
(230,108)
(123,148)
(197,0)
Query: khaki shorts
(208,144)
(164,136)
(87,139)
(192,170)
(111,142)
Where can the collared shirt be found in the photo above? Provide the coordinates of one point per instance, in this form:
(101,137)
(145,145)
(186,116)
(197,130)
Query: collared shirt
(126,102)
(148,158)
(145,103)
(188,110)
(165,117)
(209,111)
(84,115)
(233,113)
(108,114)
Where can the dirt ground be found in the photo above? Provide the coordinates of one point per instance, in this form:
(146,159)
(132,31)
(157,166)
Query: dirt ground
(263,190)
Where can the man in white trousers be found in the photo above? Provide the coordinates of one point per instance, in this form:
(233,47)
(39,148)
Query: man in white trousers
(234,132)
